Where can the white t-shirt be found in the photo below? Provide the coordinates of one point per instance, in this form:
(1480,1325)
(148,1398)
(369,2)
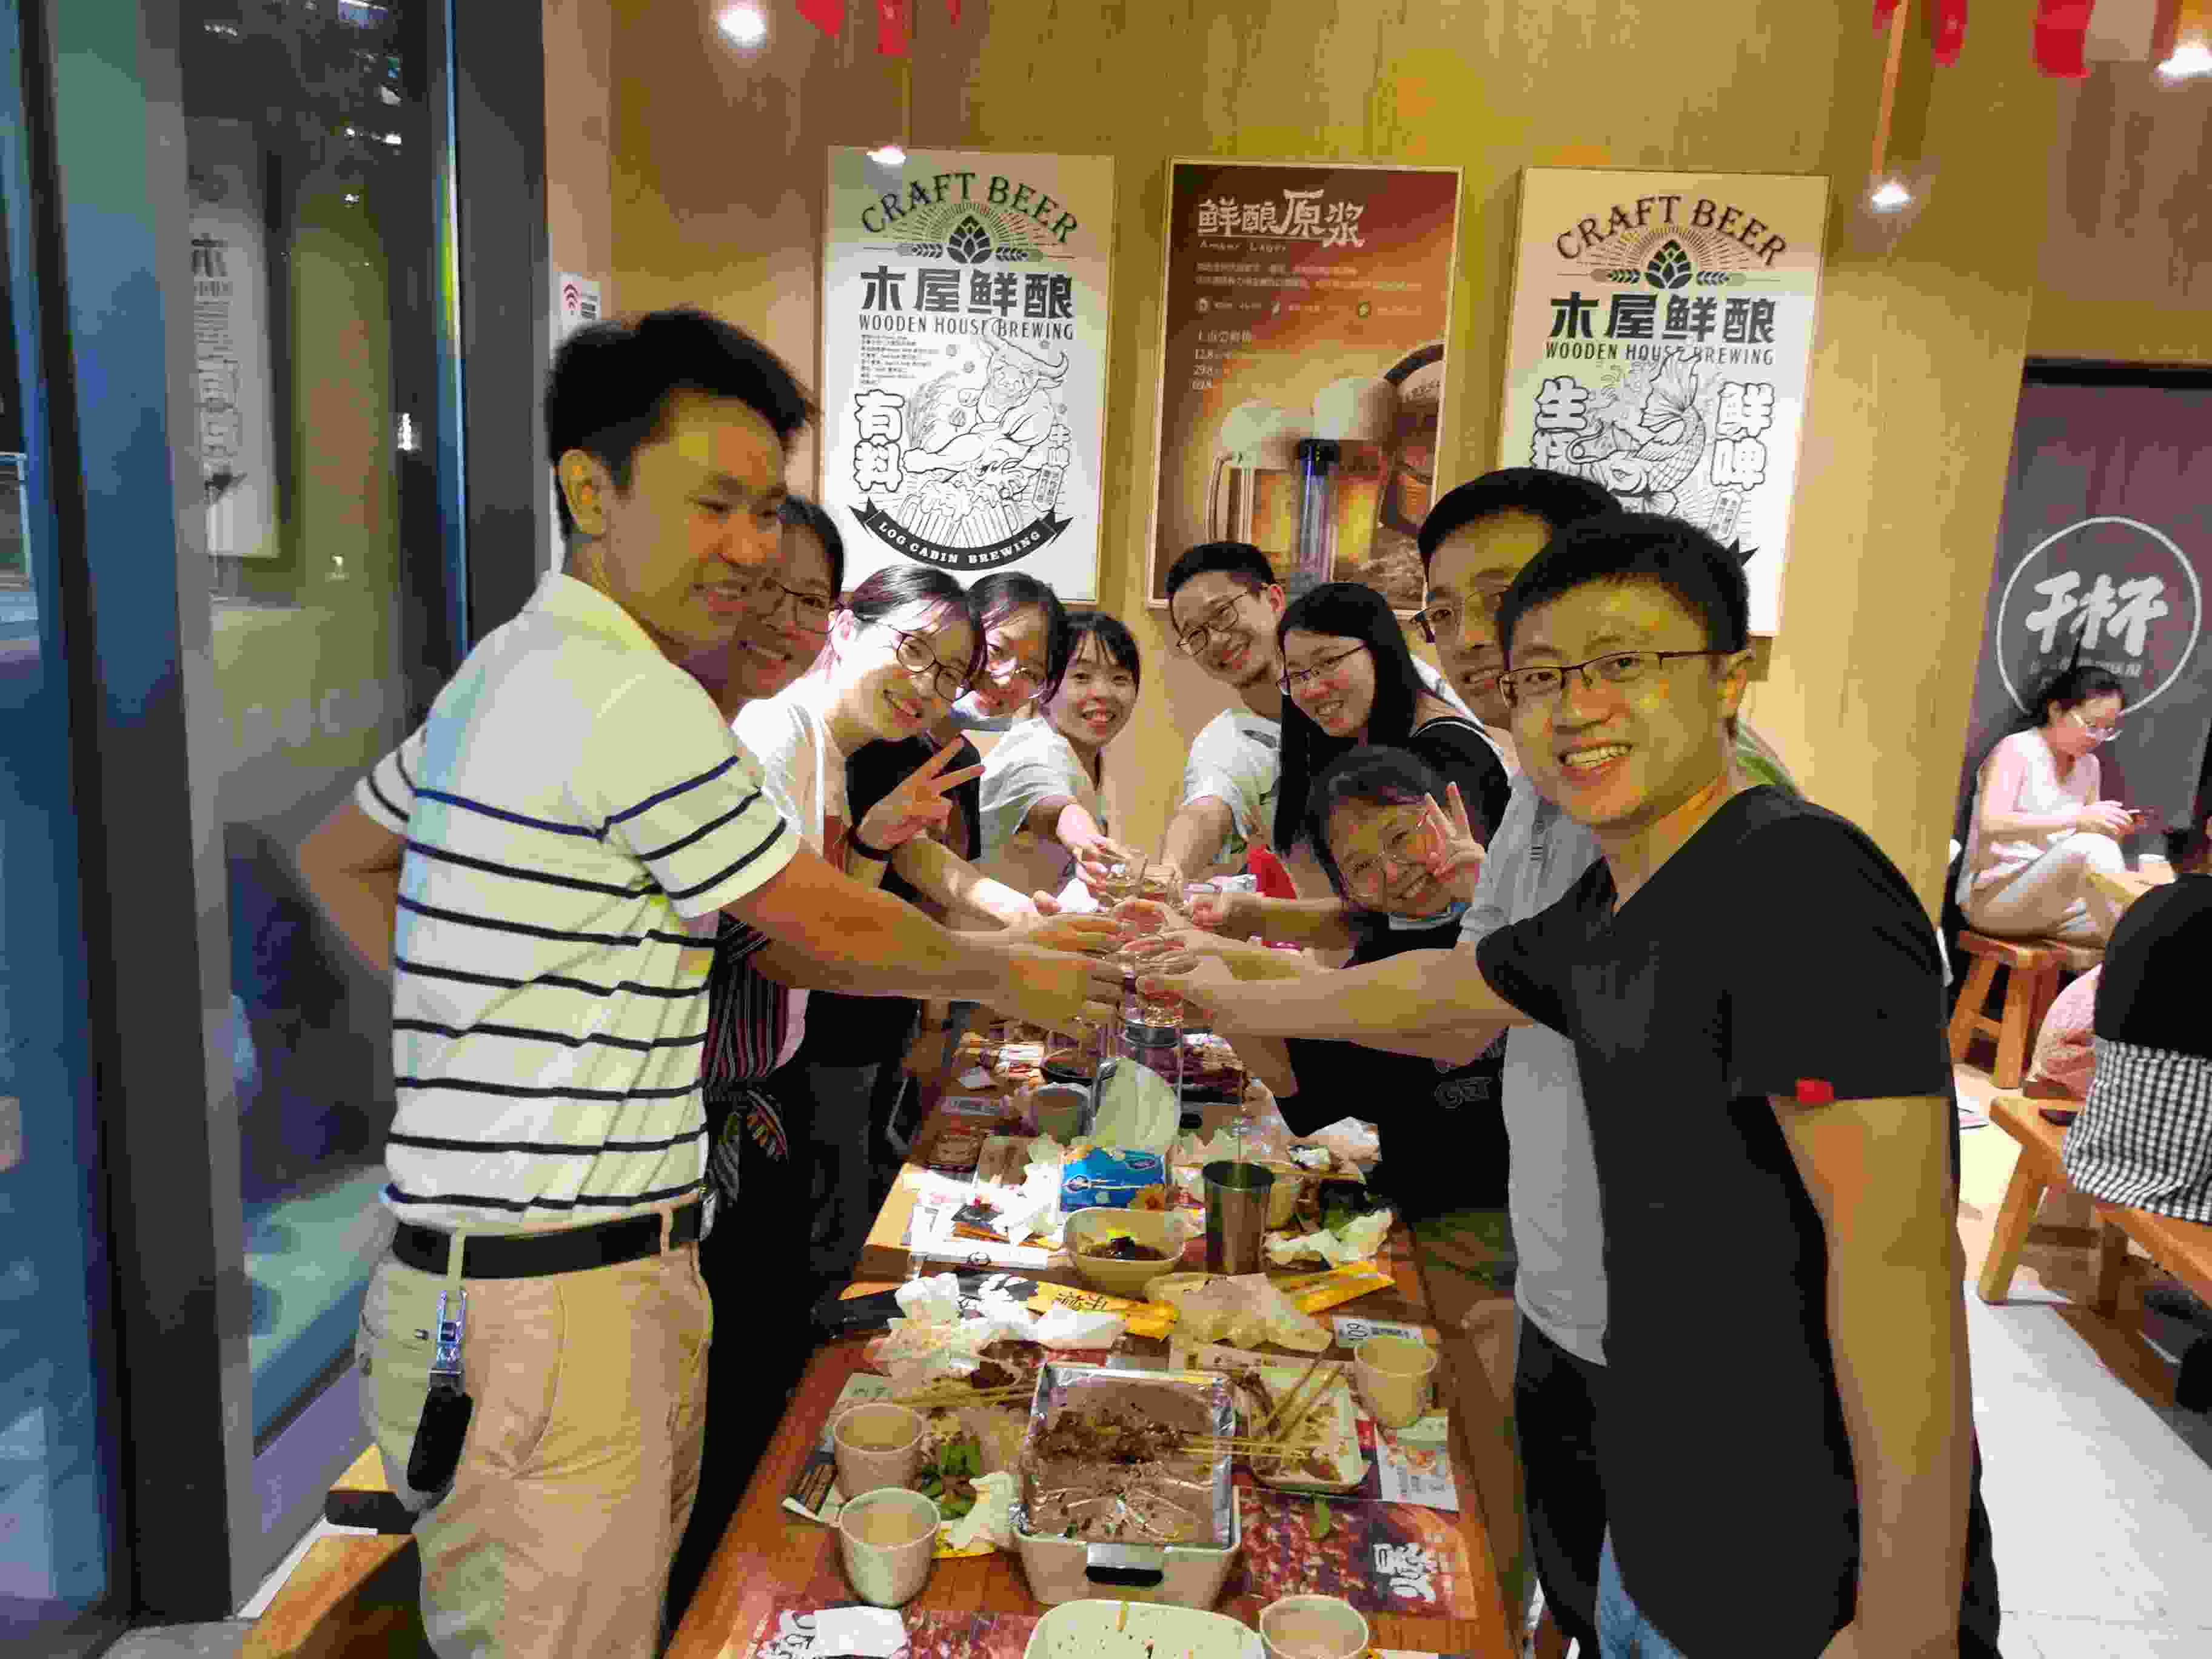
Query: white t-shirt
(801,765)
(803,770)
(1238,761)
(575,813)
(1032,763)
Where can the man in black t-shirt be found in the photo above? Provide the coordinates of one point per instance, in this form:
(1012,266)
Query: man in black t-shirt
(1755,1000)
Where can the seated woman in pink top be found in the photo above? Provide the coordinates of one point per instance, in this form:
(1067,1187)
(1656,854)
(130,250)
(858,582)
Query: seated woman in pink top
(2039,826)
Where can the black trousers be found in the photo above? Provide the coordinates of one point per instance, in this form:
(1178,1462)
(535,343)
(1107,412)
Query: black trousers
(1555,1403)
(763,1338)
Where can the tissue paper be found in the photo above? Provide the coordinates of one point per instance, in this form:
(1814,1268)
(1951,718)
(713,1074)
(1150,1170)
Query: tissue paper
(991,1522)
(1243,1311)
(931,1301)
(1066,1327)
(1348,1138)
(1360,1240)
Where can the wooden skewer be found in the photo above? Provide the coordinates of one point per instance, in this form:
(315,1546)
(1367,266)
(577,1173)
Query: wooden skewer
(1298,1418)
(1267,1428)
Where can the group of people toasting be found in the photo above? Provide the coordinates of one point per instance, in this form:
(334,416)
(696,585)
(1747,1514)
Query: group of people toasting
(667,875)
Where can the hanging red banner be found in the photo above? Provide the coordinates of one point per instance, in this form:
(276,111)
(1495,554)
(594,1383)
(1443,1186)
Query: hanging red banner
(953,9)
(828,15)
(894,30)
(2060,28)
(1947,29)
(1950,30)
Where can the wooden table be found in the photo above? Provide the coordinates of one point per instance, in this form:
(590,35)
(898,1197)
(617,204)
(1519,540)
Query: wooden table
(772,1562)
(2126,886)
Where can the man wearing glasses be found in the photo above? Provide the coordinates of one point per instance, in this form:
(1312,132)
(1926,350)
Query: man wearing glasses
(1224,604)
(541,867)
(1809,1166)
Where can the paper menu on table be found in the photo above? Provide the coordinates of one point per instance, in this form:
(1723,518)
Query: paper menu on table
(975,1106)
(1352,1330)
(1411,1465)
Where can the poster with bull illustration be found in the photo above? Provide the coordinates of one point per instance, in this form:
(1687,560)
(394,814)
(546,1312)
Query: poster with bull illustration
(1660,343)
(964,329)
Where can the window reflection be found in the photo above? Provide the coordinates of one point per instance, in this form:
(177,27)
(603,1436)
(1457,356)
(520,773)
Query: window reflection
(308,139)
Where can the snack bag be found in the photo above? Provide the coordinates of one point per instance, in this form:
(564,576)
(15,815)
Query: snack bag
(1101,1178)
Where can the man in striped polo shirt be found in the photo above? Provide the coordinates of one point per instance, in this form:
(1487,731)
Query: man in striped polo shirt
(541,867)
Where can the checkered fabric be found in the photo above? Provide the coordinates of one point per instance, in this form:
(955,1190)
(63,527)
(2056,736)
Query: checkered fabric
(2144,1137)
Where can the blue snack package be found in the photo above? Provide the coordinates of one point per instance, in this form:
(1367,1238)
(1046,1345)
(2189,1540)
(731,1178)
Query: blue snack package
(1103,1179)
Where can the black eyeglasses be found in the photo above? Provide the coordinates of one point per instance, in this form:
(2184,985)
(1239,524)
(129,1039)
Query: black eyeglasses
(812,609)
(1216,621)
(1524,686)
(1440,618)
(1297,679)
(1004,668)
(917,659)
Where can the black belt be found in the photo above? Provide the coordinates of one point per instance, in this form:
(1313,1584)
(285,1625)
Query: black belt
(536,1255)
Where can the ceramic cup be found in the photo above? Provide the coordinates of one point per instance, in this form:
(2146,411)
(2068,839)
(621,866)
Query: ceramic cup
(1396,1378)
(887,1540)
(876,1445)
(1312,1627)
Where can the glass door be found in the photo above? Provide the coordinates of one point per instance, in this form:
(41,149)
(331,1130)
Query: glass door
(61,1573)
(311,182)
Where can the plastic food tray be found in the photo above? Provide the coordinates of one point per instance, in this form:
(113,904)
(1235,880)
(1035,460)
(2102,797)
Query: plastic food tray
(1063,1569)
(1127,1630)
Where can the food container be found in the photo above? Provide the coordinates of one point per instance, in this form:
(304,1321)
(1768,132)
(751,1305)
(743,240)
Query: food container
(1150,1228)
(1127,1630)
(1333,1423)
(1062,1570)
(1194,1489)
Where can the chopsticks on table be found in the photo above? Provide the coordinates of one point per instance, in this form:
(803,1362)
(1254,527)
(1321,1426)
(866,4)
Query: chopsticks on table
(1277,1418)
(966,1397)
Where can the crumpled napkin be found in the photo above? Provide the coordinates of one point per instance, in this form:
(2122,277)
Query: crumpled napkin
(992,1520)
(915,1355)
(1191,1150)
(1062,1326)
(1360,1240)
(1076,898)
(931,1301)
(1348,1138)
(1243,1312)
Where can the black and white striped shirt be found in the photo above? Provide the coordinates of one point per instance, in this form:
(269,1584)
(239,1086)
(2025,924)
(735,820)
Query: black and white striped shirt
(575,812)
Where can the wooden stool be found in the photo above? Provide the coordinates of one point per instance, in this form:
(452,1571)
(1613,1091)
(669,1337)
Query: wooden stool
(2035,966)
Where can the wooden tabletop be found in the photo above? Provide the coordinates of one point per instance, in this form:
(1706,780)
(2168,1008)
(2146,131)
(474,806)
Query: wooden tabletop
(2128,885)
(773,1562)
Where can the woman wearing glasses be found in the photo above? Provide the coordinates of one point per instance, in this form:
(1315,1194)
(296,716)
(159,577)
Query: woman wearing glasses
(900,653)
(2039,826)
(1024,646)
(1350,678)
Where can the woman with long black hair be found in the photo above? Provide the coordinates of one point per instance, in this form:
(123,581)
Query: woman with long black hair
(1349,678)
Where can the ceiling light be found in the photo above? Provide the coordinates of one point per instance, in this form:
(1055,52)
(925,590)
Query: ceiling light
(744,25)
(1889,196)
(890,155)
(2188,60)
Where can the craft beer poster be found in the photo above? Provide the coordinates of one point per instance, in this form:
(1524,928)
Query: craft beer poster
(1305,309)
(964,361)
(1661,339)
